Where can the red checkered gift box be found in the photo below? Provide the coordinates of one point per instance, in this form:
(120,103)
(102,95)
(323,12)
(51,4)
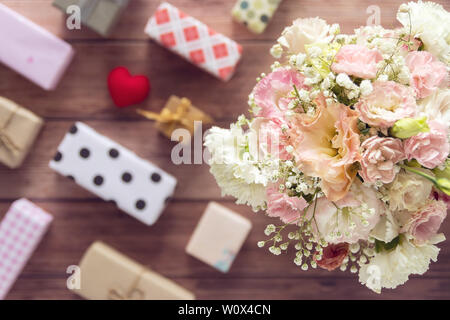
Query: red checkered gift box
(20,232)
(194,41)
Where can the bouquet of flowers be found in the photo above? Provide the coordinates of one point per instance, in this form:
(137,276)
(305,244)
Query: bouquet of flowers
(348,146)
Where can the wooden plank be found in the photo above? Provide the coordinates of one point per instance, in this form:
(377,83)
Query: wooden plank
(161,247)
(349,14)
(81,218)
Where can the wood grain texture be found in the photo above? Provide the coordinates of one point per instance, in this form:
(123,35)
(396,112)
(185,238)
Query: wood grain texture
(81,218)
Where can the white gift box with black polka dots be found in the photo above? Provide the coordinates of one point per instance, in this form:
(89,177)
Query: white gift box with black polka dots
(113,173)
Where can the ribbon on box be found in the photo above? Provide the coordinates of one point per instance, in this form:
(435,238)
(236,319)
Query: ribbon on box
(172,118)
(5,140)
(88,6)
(134,293)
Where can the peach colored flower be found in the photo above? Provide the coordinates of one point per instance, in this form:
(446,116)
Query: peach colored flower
(326,145)
(431,148)
(388,102)
(425,223)
(333,256)
(280,205)
(379,158)
(271,93)
(357,60)
(427,73)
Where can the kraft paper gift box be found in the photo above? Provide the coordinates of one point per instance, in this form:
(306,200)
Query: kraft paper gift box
(31,50)
(113,173)
(218,236)
(106,274)
(177,113)
(194,41)
(19,128)
(255,14)
(99,15)
(21,230)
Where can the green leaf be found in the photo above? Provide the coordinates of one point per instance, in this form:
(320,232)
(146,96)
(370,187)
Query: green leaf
(386,246)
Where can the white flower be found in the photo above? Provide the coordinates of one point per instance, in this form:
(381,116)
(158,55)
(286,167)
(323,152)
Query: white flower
(235,165)
(431,23)
(366,87)
(389,269)
(437,106)
(408,191)
(303,32)
(386,229)
(344,81)
(276,51)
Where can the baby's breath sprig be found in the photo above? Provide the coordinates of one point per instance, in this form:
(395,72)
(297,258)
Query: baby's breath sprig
(359,254)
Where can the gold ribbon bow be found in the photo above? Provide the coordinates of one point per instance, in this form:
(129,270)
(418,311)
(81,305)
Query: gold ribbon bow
(134,293)
(172,118)
(6,140)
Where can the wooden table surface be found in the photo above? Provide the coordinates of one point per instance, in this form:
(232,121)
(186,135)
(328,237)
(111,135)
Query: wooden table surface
(81,218)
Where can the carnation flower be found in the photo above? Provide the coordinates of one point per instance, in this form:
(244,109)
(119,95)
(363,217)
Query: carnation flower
(427,73)
(424,224)
(326,145)
(280,205)
(238,173)
(388,102)
(408,191)
(303,32)
(333,256)
(430,148)
(431,23)
(389,269)
(271,94)
(349,219)
(357,60)
(379,158)
(437,106)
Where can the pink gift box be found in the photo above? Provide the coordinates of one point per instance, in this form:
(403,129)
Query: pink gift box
(21,230)
(31,50)
(194,41)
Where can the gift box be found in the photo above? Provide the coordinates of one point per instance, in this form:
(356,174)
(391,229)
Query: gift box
(109,275)
(19,128)
(31,50)
(218,236)
(21,230)
(113,173)
(99,15)
(255,14)
(177,113)
(194,41)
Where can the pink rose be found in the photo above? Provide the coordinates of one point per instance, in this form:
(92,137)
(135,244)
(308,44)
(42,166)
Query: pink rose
(379,158)
(388,102)
(431,148)
(333,256)
(427,73)
(271,93)
(357,60)
(280,205)
(439,195)
(425,223)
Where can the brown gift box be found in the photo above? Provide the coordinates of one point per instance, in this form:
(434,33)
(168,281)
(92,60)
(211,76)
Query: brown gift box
(109,275)
(19,128)
(177,113)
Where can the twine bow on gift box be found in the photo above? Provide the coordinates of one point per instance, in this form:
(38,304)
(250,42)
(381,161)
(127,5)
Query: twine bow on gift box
(5,140)
(134,293)
(172,118)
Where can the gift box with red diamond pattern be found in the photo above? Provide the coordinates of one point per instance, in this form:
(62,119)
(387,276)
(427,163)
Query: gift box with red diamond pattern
(194,41)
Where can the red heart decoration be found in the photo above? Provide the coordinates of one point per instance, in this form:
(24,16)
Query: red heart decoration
(126,89)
